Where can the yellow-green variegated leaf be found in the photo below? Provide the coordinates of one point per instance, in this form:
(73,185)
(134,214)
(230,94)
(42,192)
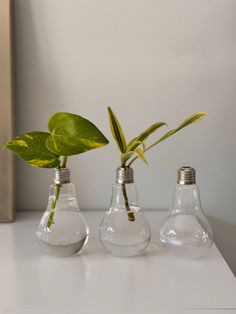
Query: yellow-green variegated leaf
(116,131)
(72,134)
(32,148)
(140,154)
(192,119)
(143,136)
(133,145)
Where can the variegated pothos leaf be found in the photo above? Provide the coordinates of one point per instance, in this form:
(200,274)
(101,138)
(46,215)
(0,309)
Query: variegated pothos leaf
(72,134)
(32,148)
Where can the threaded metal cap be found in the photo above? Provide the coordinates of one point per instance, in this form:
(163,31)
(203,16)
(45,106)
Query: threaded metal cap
(124,175)
(62,176)
(186,175)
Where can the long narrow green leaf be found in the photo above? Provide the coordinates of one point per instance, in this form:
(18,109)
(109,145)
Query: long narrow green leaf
(144,135)
(192,119)
(131,150)
(133,144)
(116,131)
(140,154)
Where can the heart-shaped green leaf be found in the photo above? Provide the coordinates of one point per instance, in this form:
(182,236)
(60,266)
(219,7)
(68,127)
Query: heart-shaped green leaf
(32,148)
(72,134)
(116,131)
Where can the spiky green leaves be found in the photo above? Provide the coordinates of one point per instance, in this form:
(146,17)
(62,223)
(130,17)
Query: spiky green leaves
(145,134)
(117,131)
(136,148)
(70,134)
(192,119)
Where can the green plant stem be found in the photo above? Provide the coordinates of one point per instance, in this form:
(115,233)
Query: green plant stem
(144,151)
(55,199)
(53,206)
(130,214)
(63,164)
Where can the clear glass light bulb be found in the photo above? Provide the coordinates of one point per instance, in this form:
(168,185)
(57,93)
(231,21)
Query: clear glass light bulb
(186,231)
(69,231)
(124,231)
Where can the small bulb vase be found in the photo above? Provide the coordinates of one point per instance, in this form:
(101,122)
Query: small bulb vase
(124,231)
(186,232)
(62,230)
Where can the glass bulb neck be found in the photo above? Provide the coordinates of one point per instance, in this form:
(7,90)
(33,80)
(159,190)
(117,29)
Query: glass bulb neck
(186,198)
(62,176)
(124,196)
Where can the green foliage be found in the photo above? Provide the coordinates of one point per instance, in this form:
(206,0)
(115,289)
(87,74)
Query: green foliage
(136,148)
(192,119)
(32,148)
(72,134)
(145,134)
(132,147)
(140,154)
(116,131)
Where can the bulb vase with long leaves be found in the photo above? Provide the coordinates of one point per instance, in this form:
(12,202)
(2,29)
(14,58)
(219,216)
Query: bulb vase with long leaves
(137,147)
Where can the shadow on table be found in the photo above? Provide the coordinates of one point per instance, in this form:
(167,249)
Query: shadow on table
(224,238)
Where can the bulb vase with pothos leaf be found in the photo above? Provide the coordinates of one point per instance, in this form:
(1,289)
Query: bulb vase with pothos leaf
(69,232)
(124,230)
(62,230)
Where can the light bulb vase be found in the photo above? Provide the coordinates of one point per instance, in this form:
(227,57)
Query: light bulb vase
(62,230)
(124,231)
(186,232)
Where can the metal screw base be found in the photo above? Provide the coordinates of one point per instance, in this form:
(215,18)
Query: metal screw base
(186,175)
(62,176)
(124,175)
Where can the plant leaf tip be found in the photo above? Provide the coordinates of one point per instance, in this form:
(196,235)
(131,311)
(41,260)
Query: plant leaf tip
(204,113)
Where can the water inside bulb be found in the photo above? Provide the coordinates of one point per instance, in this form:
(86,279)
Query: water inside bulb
(119,234)
(69,232)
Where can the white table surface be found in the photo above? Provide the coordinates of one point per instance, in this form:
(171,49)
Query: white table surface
(95,282)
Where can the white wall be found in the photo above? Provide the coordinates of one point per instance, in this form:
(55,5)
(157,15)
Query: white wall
(150,60)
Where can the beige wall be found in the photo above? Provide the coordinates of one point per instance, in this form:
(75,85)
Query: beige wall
(7,181)
(150,60)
